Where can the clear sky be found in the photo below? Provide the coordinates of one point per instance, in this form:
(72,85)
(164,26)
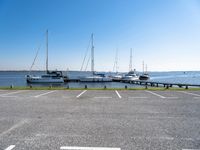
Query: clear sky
(163,33)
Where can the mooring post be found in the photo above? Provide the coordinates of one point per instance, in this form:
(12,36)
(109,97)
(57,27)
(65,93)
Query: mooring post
(11,86)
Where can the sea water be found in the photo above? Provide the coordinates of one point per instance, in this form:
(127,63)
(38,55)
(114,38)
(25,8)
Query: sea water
(17,78)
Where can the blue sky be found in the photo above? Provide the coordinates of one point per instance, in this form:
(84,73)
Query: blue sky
(163,33)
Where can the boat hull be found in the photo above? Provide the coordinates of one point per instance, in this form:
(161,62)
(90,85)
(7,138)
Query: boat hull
(95,79)
(42,80)
(144,77)
(129,78)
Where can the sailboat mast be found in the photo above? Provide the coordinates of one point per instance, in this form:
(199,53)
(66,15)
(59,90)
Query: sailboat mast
(130,65)
(115,67)
(47,51)
(143,66)
(92,55)
(117,61)
(146,69)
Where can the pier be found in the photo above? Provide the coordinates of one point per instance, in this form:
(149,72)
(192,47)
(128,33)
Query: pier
(163,84)
(150,83)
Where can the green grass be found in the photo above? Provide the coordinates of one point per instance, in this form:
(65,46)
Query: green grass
(65,88)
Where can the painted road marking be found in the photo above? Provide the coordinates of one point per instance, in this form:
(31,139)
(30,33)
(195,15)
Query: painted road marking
(88,148)
(189,93)
(21,123)
(190,149)
(3,95)
(102,97)
(155,94)
(118,94)
(81,93)
(10,147)
(138,97)
(43,94)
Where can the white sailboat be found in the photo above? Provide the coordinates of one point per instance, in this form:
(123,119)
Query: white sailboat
(94,77)
(117,76)
(131,75)
(50,76)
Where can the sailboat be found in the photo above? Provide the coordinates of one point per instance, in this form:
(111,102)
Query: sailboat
(116,76)
(131,75)
(94,77)
(50,76)
(145,75)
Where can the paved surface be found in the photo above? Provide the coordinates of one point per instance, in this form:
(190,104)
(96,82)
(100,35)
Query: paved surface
(104,120)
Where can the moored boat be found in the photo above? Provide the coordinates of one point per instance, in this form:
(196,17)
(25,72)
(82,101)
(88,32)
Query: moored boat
(131,75)
(50,76)
(145,75)
(94,77)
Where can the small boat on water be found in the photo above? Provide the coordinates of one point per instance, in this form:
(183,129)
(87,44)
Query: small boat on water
(145,75)
(117,77)
(50,76)
(94,77)
(131,75)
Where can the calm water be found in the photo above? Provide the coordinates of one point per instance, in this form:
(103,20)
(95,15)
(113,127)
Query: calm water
(17,78)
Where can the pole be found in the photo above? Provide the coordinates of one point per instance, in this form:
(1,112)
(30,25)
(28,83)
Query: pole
(92,55)
(47,51)
(130,65)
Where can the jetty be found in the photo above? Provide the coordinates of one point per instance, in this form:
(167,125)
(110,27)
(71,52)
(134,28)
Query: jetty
(163,84)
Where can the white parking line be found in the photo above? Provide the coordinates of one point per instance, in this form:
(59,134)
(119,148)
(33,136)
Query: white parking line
(155,94)
(88,148)
(10,147)
(18,125)
(6,94)
(138,97)
(189,93)
(102,97)
(190,149)
(81,94)
(118,94)
(43,94)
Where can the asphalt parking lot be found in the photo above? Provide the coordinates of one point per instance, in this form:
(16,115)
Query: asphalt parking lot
(99,120)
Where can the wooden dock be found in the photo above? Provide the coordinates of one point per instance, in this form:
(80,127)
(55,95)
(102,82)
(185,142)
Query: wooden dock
(151,83)
(163,84)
